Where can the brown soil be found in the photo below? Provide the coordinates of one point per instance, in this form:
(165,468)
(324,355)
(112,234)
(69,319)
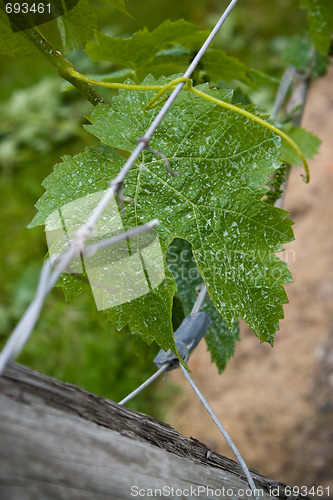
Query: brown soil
(277,404)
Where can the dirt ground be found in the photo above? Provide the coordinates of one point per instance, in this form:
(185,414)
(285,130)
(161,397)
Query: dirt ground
(277,404)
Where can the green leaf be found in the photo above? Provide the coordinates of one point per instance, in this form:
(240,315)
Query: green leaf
(215,203)
(215,65)
(13,43)
(166,50)
(149,315)
(139,51)
(76,27)
(120,5)
(218,65)
(220,341)
(305,140)
(302,54)
(164,65)
(115,76)
(320,18)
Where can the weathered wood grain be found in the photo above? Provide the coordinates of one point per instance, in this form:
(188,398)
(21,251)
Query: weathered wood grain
(60,442)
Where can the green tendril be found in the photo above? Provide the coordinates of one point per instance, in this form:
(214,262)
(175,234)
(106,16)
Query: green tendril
(244,112)
(162,89)
(112,85)
(155,102)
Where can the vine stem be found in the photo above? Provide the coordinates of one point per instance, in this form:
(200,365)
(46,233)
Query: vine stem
(62,65)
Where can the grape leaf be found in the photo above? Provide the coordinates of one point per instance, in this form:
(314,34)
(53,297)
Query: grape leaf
(305,140)
(220,341)
(320,18)
(217,64)
(120,5)
(215,203)
(149,315)
(139,50)
(150,52)
(165,64)
(77,25)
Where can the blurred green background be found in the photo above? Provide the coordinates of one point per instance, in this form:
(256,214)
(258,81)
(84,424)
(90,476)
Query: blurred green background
(40,123)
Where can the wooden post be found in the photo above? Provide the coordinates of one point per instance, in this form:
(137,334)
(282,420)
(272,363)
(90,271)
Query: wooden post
(60,442)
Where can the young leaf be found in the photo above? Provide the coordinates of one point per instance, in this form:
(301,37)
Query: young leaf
(136,52)
(215,203)
(151,52)
(220,341)
(120,5)
(320,18)
(77,25)
(305,140)
(218,65)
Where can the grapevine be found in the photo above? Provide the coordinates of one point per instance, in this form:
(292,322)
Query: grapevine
(224,153)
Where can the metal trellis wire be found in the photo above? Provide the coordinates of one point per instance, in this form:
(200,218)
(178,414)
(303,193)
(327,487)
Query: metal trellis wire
(167,366)
(196,308)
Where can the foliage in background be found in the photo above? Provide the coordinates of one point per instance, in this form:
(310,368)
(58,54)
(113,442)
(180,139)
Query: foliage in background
(302,54)
(37,121)
(320,18)
(75,28)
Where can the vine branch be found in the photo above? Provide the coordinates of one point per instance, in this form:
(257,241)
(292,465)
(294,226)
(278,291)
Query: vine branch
(61,64)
